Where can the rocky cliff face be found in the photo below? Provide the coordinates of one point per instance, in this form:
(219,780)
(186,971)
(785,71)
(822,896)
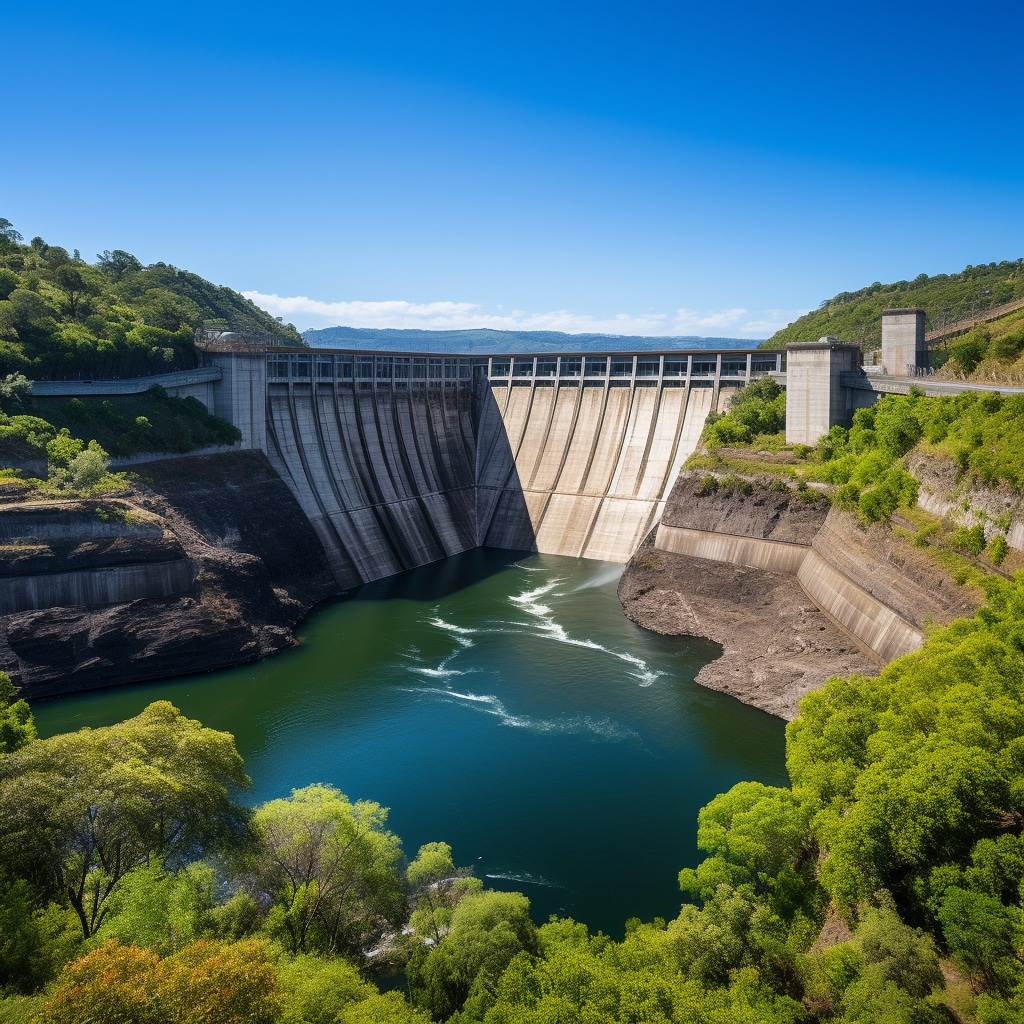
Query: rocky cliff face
(250,567)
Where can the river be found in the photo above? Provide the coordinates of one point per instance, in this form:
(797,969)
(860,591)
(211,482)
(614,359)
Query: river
(501,704)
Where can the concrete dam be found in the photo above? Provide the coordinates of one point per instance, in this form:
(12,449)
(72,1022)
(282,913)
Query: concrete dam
(399,460)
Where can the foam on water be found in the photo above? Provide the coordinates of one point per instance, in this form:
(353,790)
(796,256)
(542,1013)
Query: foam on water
(491,704)
(460,634)
(553,630)
(524,878)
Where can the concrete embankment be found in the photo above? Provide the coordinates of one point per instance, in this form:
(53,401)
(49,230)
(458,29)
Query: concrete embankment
(56,554)
(208,563)
(795,591)
(876,625)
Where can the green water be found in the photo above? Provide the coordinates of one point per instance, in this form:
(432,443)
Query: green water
(504,706)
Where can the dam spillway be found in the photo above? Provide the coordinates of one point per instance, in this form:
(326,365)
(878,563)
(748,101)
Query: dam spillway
(403,459)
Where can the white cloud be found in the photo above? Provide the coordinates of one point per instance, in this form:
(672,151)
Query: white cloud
(305,313)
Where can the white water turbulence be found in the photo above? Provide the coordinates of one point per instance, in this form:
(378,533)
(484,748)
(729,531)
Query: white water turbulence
(523,878)
(489,704)
(549,628)
(538,602)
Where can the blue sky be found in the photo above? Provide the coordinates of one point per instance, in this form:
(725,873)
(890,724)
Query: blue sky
(643,168)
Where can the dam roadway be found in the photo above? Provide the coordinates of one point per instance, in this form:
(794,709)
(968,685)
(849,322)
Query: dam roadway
(403,459)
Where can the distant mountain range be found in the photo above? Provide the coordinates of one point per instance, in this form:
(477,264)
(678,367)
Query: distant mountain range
(487,342)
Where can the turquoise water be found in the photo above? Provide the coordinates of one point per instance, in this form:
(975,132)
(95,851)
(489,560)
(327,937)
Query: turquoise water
(503,705)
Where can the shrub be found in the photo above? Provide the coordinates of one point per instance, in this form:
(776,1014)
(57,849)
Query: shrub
(731,482)
(998,549)
(970,539)
(709,485)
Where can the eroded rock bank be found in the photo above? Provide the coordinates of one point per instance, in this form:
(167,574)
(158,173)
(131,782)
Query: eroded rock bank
(223,564)
(778,642)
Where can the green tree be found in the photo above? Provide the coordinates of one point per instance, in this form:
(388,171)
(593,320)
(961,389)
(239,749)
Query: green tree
(9,280)
(487,930)
(160,909)
(438,887)
(319,990)
(70,280)
(330,867)
(15,393)
(79,810)
(7,231)
(984,937)
(17,727)
(117,263)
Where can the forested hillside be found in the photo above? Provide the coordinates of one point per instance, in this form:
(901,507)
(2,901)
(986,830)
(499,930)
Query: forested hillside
(63,317)
(857,316)
(992,351)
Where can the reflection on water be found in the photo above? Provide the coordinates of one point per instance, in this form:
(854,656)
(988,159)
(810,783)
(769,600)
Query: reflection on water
(504,706)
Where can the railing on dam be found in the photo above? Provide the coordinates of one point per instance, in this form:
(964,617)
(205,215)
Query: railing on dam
(370,369)
(669,369)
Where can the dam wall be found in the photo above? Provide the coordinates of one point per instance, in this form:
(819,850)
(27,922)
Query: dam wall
(580,456)
(385,476)
(402,459)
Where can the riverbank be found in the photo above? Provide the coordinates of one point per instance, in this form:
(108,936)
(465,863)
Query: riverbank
(794,590)
(776,644)
(206,562)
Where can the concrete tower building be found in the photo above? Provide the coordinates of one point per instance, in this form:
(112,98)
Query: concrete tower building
(815,399)
(903,344)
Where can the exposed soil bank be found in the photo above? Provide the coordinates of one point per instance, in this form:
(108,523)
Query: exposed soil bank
(256,569)
(777,644)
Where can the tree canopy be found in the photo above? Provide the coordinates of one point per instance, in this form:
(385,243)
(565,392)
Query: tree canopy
(63,317)
(80,810)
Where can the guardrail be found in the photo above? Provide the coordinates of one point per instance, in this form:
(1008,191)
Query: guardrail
(891,385)
(127,386)
(968,323)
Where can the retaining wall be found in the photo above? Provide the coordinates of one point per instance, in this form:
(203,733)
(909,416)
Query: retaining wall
(114,585)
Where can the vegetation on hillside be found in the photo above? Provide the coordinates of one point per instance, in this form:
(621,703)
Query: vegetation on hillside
(123,425)
(992,351)
(982,432)
(62,317)
(857,316)
(883,885)
(150,422)
(757,412)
